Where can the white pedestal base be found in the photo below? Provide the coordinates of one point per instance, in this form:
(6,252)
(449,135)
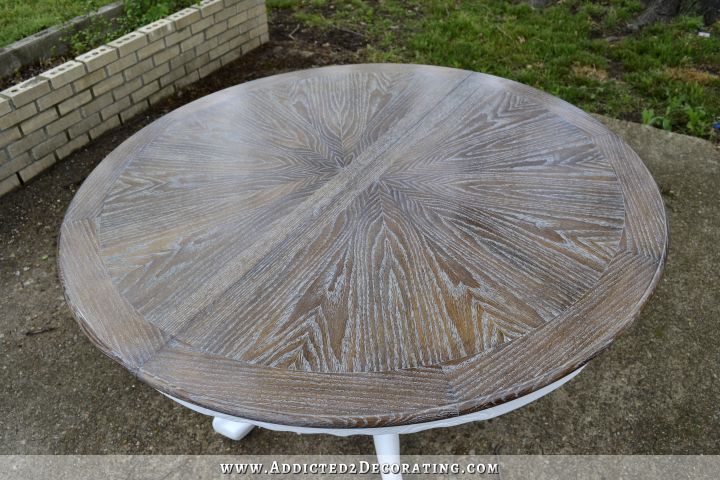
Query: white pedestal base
(387,440)
(387,448)
(230,429)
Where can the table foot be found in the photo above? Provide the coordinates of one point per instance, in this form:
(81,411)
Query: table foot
(230,429)
(387,448)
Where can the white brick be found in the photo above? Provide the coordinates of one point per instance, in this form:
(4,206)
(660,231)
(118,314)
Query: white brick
(25,143)
(97,104)
(216,29)
(183,82)
(120,65)
(83,126)
(177,37)
(9,135)
(138,69)
(17,116)
(150,49)
(54,97)
(49,146)
(258,10)
(161,94)
(166,55)
(38,121)
(185,17)
(192,42)
(129,43)
(108,84)
(209,7)
(127,88)
(237,42)
(73,145)
(133,111)
(158,30)
(201,25)
(115,108)
(27,91)
(65,73)
(9,184)
(219,51)
(14,165)
(97,58)
(173,76)
(225,13)
(74,102)
(209,68)
(227,35)
(145,92)
(156,73)
(89,79)
(63,123)
(197,62)
(236,20)
(36,167)
(206,46)
(250,45)
(106,125)
(5,106)
(231,56)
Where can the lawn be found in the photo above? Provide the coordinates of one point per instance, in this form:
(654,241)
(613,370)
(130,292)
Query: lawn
(582,51)
(20,18)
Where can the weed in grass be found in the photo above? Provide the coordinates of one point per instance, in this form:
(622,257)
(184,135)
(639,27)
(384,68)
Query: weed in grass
(136,14)
(96,32)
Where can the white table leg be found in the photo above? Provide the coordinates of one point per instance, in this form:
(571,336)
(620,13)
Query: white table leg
(387,448)
(230,429)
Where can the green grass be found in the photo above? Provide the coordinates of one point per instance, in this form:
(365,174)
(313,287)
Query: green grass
(665,75)
(20,18)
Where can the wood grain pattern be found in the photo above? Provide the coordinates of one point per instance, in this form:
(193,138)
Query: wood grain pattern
(367,245)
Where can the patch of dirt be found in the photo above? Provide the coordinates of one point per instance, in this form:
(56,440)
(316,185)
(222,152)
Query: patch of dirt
(286,28)
(30,71)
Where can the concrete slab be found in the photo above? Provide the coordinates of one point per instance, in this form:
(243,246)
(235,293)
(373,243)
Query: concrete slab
(654,391)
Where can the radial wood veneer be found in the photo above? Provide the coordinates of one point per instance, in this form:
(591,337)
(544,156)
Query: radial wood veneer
(362,246)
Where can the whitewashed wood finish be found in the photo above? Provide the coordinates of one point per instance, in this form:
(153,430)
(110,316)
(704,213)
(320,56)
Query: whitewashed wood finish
(363,246)
(481,415)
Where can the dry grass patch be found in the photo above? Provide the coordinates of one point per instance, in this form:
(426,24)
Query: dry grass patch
(703,77)
(590,71)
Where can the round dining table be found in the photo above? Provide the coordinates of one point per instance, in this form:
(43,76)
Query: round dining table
(367,249)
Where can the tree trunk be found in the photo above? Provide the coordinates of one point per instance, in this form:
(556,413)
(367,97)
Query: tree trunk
(667,9)
(657,10)
(710,10)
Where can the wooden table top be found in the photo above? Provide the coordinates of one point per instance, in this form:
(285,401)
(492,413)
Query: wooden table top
(366,245)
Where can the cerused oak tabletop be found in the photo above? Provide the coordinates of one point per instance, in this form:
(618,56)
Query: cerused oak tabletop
(366,245)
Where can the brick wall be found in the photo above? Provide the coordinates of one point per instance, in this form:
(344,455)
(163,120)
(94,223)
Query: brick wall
(46,118)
